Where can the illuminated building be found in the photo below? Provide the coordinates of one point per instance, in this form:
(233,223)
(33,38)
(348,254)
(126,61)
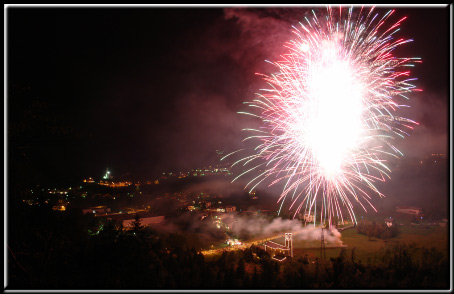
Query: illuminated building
(61,192)
(389,222)
(96,210)
(115,184)
(280,252)
(289,242)
(59,208)
(409,210)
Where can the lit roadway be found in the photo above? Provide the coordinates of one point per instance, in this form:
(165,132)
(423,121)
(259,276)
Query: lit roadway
(243,245)
(254,242)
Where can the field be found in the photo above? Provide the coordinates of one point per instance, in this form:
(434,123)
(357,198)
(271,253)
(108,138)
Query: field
(421,237)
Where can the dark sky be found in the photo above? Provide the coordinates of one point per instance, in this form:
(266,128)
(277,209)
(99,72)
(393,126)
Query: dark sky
(146,90)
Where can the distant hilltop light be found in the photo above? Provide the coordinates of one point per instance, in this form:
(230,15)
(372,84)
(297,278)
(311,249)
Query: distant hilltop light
(107,175)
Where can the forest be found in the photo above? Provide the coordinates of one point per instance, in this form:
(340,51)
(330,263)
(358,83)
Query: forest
(53,250)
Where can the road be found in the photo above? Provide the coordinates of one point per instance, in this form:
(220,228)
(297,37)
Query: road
(243,245)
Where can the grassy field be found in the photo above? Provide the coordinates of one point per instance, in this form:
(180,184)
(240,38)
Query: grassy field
(420,236)
(437,237)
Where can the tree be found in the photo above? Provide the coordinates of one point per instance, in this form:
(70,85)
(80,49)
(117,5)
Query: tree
(369,231)
(240,271)
(386,234)
(136,225)
(353,255)
(255,278)
(361,228)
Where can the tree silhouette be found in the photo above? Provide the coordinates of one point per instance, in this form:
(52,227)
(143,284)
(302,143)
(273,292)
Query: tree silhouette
(137,225)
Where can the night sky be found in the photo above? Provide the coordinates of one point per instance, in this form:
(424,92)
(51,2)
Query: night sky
(145,90)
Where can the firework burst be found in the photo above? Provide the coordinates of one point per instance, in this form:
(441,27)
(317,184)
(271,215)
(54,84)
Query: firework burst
(329,115)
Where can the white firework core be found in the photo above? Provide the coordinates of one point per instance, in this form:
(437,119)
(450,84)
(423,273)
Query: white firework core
(329,115)
(334,95)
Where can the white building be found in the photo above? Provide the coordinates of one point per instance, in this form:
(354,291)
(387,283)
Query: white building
(389,222)
(409,210)
(280,252)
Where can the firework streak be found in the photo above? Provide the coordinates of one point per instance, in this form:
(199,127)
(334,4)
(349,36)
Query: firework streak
(330,113)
